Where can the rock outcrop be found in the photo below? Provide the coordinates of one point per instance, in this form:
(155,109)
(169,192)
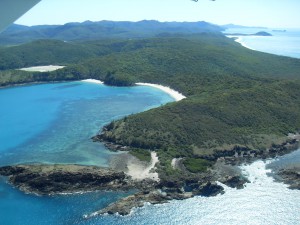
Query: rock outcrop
(290,176)
(54,179)
(157,196)
(239,154)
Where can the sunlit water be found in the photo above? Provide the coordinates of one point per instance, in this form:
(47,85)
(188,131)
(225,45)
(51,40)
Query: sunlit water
(262,201)
(281,43)
(54,123)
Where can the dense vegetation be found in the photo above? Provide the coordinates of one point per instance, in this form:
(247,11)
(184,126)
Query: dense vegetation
(196,165)
(114,79)
(141,154)
(235,96)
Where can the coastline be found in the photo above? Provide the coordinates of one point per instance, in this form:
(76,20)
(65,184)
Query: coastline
(239,40)
(169,190)
(174,94)
(93,81)
(41,179)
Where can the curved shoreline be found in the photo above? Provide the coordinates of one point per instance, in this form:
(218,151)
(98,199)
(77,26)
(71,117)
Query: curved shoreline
(93,81)
(174,94)
(239,40)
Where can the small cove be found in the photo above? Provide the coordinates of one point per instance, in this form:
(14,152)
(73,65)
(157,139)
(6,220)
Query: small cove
(53,123)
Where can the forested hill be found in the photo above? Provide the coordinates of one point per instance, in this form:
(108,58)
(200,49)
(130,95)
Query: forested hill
(16,34)
(188,64)
(235,96)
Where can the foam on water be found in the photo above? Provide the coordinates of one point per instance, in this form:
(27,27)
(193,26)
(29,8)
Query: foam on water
(262,201)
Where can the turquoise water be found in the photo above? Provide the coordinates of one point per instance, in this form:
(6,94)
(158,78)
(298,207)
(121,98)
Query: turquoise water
(17,208)
(281,43)
(53,123)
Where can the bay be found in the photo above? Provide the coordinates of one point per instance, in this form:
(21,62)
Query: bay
(54,123)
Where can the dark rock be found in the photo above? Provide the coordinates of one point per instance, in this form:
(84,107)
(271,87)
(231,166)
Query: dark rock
(124,206)
(53,179)
(235,181)
(290,176)
(209,189)
(10,170)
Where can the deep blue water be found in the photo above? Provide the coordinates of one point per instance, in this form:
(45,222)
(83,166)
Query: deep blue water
(281,43)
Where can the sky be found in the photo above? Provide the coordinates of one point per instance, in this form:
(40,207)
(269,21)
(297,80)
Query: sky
(266,13)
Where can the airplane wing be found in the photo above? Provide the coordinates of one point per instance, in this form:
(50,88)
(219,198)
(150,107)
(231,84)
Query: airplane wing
(11,10)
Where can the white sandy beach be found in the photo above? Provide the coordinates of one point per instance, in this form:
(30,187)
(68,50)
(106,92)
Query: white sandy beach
(140,171)
(48,68)
(239,40)
(93,81)
(174,94)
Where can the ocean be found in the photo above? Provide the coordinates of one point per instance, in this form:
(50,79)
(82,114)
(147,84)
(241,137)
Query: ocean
(285,42)
(53,123)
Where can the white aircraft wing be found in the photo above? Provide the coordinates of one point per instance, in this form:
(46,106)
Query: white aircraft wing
(11,10)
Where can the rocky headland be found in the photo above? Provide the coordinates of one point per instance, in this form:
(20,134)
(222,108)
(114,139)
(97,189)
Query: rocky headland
(57,179)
